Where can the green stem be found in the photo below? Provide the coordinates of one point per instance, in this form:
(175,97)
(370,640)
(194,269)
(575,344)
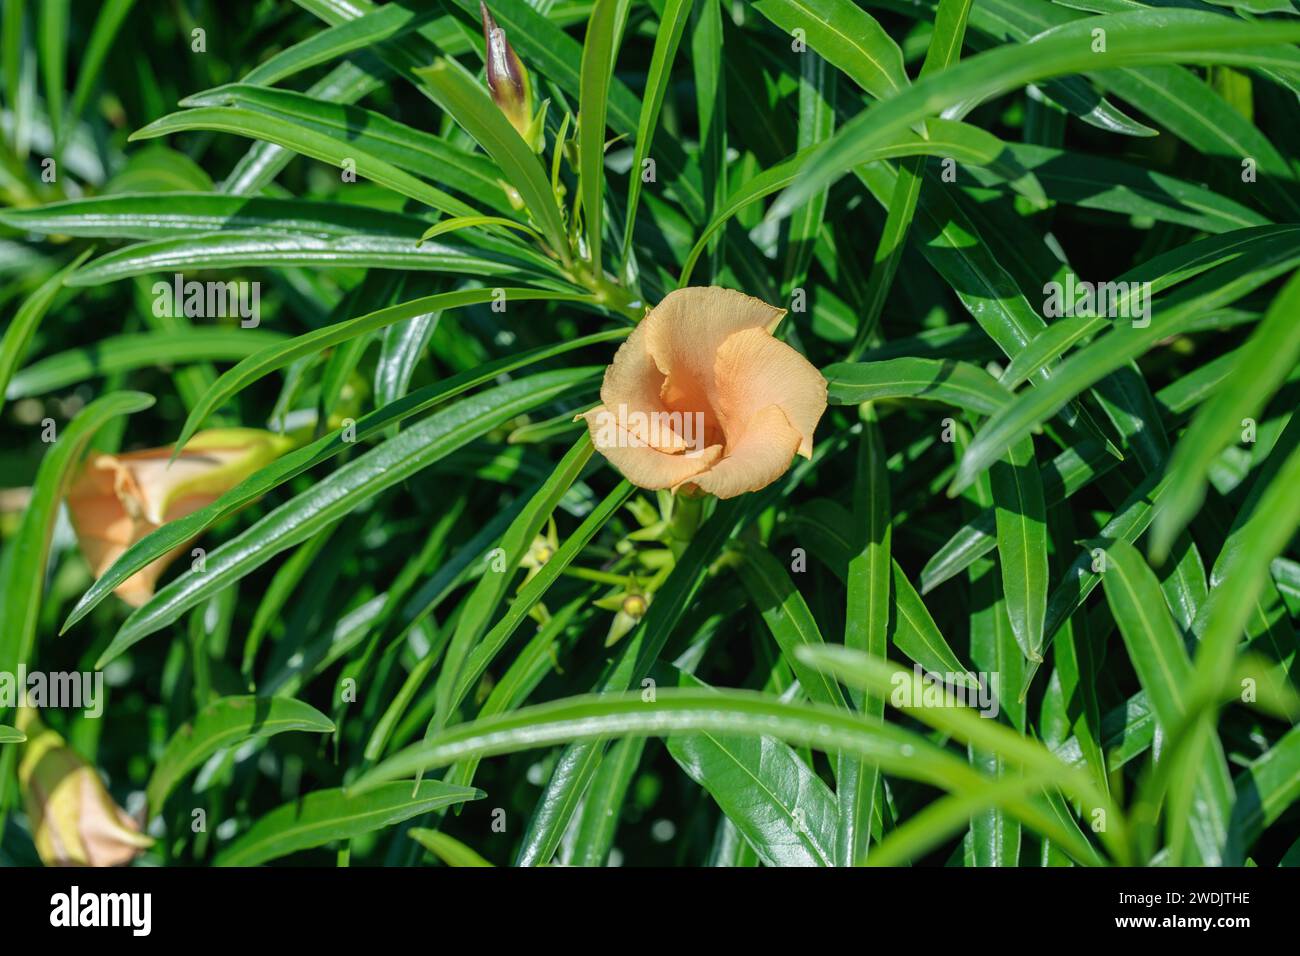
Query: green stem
(687,512)
(599,577)
(607,293)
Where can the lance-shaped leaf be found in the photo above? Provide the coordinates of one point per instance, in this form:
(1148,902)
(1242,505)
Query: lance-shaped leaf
(1265,361)
(345,489)
(460,96)
(1132,39)
(1021,518)
(308,142)
(225,723)
(327,815)
(1156,649)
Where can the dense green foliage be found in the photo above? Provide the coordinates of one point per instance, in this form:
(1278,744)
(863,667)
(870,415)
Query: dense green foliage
(443,581)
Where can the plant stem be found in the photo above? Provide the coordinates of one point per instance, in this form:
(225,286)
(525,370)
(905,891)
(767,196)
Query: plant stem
(599,577)
(607,293)
(687,512)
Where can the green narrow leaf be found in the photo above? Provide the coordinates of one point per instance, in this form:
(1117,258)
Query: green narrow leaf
(1265,361)
(816,123)
(478,609)
(914,632)
(327,815)
(175,533)
(225,723)
(554,809)
(959,384)
(532,593)
(995,836)
(779,805)
(1152,639)
(1156,649)
(52,36)
(943,51)
(944,138)
(640,652)
(736,713)
(1265,474)
(949,33)
(597,68)
(708,59)
(175,214)
(529,668)
(269,609)
(277,356)
(866,629)
(1178,100)
(788,617)
(1132,39)
(1097,182)
(1072,469)
(1263,537)
(102,36)
(406,147)
(604,803)
(308,142)
(371,29)
(124,353)
(446,848)
(970,727)
(229,250)
(542,41)
(1078,669)
(1264,790)
(667,39)
(474,110)
(341,492)
(469,222)
(1021,518)
(1114,349)
(18,335)
(673,712)
(847,36)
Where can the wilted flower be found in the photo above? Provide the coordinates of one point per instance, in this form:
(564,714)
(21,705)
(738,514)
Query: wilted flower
(507,80)
(702,397)
(74,819)
(118,499)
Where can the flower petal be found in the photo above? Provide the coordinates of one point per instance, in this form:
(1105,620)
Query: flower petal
(111,511)
(109,837)
(641,464)
(753,370)
(685,330)
(633,382)
(204,466)
(760,456)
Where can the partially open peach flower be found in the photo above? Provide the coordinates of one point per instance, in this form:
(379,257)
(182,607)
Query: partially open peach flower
(701,397)
(73,817)
(118,499)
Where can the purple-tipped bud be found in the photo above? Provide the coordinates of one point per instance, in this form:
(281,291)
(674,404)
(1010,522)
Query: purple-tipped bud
(506,77)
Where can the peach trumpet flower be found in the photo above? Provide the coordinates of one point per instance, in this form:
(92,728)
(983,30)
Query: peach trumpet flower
(74,820)
(116,500)
(702,398)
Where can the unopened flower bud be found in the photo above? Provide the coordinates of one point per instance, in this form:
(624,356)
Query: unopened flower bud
(73,818)
(507,79)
